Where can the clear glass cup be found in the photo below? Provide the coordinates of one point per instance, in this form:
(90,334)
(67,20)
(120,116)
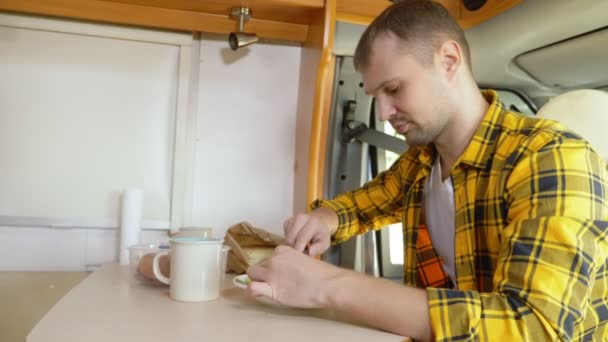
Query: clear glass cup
(223,263)
(224,260)
(136,253)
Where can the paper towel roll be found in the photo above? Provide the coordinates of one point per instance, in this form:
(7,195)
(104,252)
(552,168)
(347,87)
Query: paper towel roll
(130,222)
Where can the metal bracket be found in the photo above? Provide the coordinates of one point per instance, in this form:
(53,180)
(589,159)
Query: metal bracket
(357,130)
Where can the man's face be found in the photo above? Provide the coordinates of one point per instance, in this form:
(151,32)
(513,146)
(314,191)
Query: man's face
(410,95)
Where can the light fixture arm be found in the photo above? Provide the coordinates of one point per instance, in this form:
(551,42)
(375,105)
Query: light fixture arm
(244,14)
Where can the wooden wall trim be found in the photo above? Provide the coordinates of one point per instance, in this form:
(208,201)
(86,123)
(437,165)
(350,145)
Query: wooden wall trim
(173,19)
(288,11)
(361,8)
(354,18)
(321,107)
(148,35)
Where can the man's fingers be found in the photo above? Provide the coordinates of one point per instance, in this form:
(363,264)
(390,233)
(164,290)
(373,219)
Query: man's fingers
(258,288)
(292,231)
(303,239)
(319,245)
(286,225)
(257,273)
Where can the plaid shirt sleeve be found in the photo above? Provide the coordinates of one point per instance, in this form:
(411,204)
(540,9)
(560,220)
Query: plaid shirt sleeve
(376,204)
(553,249)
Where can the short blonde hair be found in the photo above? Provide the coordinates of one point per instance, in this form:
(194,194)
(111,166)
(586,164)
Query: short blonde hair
(422,25)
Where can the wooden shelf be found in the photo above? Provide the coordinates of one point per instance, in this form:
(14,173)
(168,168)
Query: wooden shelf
(288,11)
(285,20)
(364,11)
(282,20)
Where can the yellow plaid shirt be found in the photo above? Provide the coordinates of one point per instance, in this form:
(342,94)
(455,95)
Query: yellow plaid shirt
(531,245)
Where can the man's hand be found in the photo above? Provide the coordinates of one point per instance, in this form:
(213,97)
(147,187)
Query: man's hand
(312,230)
(294,279)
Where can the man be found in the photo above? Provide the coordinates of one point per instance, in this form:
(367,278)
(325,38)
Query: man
(504,216)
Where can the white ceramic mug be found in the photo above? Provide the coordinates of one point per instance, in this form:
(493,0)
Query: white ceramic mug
(195,268)
(204,232)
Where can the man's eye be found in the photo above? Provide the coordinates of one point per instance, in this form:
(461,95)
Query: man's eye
(392,90)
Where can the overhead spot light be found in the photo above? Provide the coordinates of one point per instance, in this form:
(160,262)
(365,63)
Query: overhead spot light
(240,39)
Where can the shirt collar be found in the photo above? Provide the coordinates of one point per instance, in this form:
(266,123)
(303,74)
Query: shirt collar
(479,150)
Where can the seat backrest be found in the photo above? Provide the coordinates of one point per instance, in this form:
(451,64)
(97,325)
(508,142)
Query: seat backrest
(584,111)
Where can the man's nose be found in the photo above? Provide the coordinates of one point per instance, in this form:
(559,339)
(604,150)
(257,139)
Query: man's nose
(384,109)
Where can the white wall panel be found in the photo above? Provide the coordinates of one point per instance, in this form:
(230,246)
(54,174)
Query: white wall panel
(33,249)
(82,118)
(47,249)
(244,149)
(245,138)
(101,247)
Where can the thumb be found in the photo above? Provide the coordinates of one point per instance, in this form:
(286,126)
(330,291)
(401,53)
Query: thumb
(258,288)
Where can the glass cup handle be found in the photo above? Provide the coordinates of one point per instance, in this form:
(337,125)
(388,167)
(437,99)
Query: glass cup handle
(156,268)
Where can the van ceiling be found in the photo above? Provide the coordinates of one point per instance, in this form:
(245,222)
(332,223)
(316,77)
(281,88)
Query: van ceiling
(533,25)
(581,61)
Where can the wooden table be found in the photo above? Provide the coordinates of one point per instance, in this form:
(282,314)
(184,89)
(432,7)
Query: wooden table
(110,306)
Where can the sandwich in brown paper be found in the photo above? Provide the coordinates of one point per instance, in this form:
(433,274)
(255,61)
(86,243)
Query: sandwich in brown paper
(249,246)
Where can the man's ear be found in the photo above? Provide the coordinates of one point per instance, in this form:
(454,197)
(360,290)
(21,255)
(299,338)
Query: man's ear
(450,58)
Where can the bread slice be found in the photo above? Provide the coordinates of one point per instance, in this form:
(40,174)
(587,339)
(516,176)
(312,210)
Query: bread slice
(257,254)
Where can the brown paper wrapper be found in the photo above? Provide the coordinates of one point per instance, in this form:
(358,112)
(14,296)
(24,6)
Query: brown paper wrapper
(249,246)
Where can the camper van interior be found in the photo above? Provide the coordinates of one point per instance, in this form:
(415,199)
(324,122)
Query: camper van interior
(129,122)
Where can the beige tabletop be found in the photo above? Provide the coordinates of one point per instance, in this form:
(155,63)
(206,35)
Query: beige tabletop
(110,306)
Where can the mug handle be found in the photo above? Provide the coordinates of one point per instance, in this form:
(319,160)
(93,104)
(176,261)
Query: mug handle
(156,268)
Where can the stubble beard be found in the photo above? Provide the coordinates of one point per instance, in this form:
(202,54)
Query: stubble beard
(418,136)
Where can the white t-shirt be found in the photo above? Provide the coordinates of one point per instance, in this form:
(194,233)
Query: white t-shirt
(440,218)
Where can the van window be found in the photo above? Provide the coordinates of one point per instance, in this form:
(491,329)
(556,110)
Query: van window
(395,231)
(514,101)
